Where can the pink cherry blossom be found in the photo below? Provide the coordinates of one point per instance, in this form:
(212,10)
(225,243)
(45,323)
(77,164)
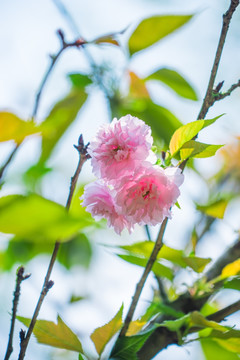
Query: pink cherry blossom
(120,147)
(100,203)
(147,196)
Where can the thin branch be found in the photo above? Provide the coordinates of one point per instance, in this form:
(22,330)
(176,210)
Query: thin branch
(219,96)
(161,287)
(9,159)
(20,278)
(146,272)
(83,157)
(64,45)
(64,11)
(209,93)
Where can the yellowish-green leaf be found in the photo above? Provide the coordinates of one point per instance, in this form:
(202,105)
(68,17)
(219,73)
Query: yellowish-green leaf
(175,256)
(197,319)
(196,149)
(14,128)
(215,209)
(57,335)
(196,263)
(106,39)
(232,344)
(175,81)
(231,269)
(187,132)
(35,218)
(153,29)
(102,335)
(213,351)
(137,86)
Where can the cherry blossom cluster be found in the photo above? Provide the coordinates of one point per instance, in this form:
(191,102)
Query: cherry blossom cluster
(130,189)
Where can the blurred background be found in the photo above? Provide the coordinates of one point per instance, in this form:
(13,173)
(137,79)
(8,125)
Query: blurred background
(96,276)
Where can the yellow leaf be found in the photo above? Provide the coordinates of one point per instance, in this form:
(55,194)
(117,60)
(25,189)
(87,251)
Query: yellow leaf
(57,335)
(135,327)
(102,335)
(13,128)
(137,86)
(231,269)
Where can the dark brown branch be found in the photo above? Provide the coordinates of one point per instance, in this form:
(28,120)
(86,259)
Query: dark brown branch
(207,102)
(163,337)
(146,272)
(20,278)
(83,157)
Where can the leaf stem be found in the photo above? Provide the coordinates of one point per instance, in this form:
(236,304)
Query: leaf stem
(20,278)
(83,157)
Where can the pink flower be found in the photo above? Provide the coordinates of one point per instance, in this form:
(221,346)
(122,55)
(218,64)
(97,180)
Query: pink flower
(120,147)
(147,196)
(100,203)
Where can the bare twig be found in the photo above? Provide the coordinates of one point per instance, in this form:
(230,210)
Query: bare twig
(83,157)
(20,278)
(9,159)
(64,45)
(147,270)
(207,102)
(219,96)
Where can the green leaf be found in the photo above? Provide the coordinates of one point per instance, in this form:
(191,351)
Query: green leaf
(37,219)
(175,256)
(187,132)
(196,149)
(175,81)
(215,209)
(80,80)
(197,319)
(232,283)
(60,118)
(14,128)
(214,351)
(158,269)
(196,263)
(153,29)
(76,252)
(176,325)
(127,347)
(102,335)
(57,335)
(232,344)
